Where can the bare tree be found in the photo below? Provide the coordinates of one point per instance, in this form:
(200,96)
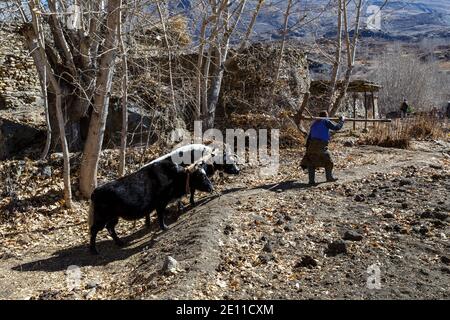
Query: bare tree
(94,141)
(219,23)
(351,46)
(283,44)
(337,61)
(124,103)
(405,76)
(33,32)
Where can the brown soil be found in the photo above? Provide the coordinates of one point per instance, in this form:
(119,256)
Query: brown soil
(257,237)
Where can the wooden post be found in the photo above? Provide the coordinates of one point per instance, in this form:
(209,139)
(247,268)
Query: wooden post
(373,107)
(365,110)
(354,110)
(346,119)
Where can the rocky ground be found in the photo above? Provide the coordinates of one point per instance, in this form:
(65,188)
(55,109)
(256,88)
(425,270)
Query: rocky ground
(256,237)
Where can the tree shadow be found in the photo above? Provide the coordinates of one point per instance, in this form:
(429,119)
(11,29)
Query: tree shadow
(45,199)
(109,252)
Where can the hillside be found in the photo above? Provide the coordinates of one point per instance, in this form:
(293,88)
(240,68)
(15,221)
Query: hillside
(410,20)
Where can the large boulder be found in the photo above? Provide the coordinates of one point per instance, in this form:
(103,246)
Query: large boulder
(16,138)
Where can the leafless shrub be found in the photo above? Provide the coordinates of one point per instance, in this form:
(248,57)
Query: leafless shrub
(405,76)
(399,134)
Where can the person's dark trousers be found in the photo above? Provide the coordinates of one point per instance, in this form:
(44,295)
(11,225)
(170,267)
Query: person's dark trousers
(329,174)
(312,175)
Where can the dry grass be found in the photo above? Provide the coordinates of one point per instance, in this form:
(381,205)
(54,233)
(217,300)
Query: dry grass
(399,133)
(425,128)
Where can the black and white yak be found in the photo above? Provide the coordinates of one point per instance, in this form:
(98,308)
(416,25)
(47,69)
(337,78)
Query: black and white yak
(136,195)
(221,159)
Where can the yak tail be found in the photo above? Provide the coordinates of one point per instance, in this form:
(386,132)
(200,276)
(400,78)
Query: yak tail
(91,214)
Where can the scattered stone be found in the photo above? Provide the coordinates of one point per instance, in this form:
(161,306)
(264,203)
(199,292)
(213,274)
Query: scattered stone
(438,223)
(47,171)
(441,215)
(6,255)
(445,259)
(349,143)
(426,214)
(89,294)
(265,258)
(306,262)
(398,228)
(289,227)
(445,270)
(389,215)
(405,182)
(352,235)
(92,284)
(405,205)
(423,230)
(170,266)
(257,218)
(436,166)
(424,272)
(268,247)
(228,230)
(359,198)
(336,247)
(47,295)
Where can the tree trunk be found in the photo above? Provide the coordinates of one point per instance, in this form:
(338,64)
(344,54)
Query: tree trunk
(35,41)
(337,61)
(48,141)
(351,55)
(124,131)
(283,44)
(94,141)
(216,83)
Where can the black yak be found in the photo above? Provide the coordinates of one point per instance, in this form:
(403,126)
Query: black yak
(136,195)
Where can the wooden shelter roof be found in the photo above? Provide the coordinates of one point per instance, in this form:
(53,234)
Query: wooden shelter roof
(322,86)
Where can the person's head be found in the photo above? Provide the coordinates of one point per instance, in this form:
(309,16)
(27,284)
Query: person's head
(323,114)
(404,100)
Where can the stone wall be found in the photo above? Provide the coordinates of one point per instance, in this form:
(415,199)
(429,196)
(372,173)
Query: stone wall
(249,80)
(19,84)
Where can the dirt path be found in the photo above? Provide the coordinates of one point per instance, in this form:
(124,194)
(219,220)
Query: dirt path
(222,246)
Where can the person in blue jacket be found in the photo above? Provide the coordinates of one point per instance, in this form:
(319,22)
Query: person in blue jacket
(317,154)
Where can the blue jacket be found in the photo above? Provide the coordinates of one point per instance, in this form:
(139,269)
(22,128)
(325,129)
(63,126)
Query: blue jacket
(320,129)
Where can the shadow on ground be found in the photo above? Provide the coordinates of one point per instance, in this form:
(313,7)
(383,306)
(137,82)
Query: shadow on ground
(80,256)
(136,242)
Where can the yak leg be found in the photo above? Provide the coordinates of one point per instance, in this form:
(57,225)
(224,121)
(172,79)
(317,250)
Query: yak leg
(110,226)
(160,212)
(180,206)
(94,229)
(147,221)
(191,199)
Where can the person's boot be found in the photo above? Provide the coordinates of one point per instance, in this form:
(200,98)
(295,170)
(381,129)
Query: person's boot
(329,175)
(312,176)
